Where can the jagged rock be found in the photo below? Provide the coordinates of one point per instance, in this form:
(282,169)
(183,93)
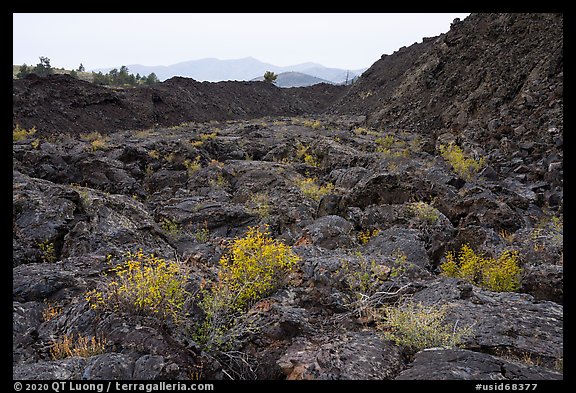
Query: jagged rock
(461,364)
(113,224)
(328,206)
(349,177)
(165,178)
(109,366)
(26,318)
(544,282)
(397,240)
(43,212)
(514,322)
(150,367)
(85,107)
(382,188)
(330,232)
(77,209)
(37,281)
(357,355)
(64,369)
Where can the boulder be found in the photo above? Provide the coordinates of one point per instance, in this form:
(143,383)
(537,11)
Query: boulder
(330,232)
(461,364)
(349,356)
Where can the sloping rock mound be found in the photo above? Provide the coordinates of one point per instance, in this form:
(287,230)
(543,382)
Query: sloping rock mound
(60,103)
(494,81)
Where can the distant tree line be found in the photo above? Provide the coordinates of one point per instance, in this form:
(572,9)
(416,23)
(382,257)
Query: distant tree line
(114,77)
(121,77)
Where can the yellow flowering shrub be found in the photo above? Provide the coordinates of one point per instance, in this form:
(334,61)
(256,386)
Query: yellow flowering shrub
(255,266)
(501,275)
(144,285)
(464,166)
(365,236)
(303,155)
(311,189)
(20,134)
(192,166)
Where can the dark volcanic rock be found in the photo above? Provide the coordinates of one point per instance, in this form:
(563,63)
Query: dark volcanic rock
(511,323)
(175,175)
(360,355)
(460,364)
(59,103)
(330,232)
(64,369)
(421,87)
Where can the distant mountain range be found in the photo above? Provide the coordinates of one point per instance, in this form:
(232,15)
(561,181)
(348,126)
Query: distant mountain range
(245,69)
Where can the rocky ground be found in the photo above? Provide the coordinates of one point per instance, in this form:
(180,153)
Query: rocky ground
(392,210)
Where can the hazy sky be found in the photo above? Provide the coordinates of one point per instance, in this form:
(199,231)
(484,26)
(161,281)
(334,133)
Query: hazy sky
(99,40)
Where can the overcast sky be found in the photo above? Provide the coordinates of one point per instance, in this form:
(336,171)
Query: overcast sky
(100,40)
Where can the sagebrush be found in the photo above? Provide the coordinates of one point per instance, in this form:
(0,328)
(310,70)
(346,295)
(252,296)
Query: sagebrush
(417,326)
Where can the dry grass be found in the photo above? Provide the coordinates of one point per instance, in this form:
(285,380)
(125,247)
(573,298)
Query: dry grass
(77,346)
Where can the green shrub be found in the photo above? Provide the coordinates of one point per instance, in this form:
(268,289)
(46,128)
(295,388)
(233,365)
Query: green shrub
(424,212)
(171,227)
(154,154)
(259,204)
(500,275)
(207,137)
(314,124)
(385,142)
(96,140)
(548,232)
(364,281)
(465,167)
(364,278)
(219,182)
(392,147)
(417,327)
(144,285)
(202,234)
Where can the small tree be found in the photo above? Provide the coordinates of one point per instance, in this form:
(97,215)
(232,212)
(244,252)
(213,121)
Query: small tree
(123,76)
(270,77)
(43,68)
(113,76)
(100,79)
(151,79)
(23,71)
